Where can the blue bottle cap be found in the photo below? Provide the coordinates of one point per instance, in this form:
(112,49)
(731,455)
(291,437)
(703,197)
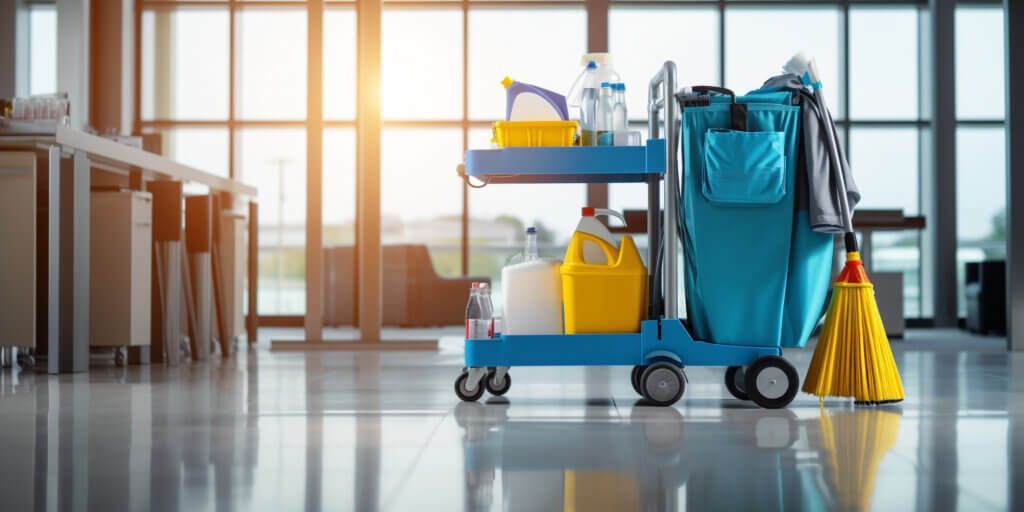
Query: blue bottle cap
(606,84)
(531,230)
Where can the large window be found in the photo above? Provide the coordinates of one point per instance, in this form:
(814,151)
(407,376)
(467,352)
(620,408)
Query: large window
(239,107)
(980,138)
(884,134)
(880,131)
(422,140)
(42,48)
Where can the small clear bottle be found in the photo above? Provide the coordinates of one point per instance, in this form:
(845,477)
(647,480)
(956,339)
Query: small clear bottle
(476,326)
(603,117)
(531,245)
(488,307)
(620,120)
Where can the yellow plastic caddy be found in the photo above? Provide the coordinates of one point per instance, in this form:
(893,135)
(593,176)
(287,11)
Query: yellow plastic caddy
(608,298)
(509,134)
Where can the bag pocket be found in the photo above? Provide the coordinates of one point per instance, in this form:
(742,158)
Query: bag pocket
(744,168)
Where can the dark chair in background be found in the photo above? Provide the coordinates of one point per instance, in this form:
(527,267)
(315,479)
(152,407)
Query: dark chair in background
(985,291)
(414,295)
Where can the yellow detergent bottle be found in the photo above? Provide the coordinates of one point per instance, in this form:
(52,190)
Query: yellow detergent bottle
(603,298)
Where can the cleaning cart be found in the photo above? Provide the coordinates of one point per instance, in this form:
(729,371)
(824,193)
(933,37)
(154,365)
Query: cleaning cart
(663,346)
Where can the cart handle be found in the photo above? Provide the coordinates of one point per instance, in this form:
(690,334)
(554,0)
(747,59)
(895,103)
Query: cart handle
(660,97)
(705,89)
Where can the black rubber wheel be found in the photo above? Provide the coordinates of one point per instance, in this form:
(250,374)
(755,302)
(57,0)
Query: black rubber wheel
(634,379)
(465,394)
(492,387)
(735,382)
(26,361)
(662,383)
(771,382)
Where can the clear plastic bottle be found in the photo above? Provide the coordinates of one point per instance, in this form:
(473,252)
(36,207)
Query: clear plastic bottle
(476,322)
(531,245)
(488,306)
(620,120)
(603,118)
(588,103)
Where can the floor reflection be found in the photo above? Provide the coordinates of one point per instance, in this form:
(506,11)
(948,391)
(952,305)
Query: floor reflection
(747,459)
(383,432)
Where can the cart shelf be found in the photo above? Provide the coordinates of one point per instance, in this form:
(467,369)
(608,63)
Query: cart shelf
(664,339)
(576,164)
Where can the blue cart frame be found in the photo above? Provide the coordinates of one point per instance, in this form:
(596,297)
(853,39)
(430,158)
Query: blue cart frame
(663,346)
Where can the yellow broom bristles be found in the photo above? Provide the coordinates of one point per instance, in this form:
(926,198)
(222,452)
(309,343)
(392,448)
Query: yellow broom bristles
(853,357)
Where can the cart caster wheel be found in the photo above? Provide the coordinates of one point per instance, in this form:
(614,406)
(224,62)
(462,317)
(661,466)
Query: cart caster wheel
(735,382)
(662,383)
(26,361)
(119,358)
(771,382)
(495,388)
(634,378)
(464,393)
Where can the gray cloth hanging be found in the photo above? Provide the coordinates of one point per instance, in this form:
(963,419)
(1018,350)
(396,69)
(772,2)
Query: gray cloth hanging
(815,174)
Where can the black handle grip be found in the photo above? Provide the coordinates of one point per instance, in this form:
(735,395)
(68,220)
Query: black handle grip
(714,88)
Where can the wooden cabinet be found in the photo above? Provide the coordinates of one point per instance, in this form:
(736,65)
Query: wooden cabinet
(18,249)
(121,262)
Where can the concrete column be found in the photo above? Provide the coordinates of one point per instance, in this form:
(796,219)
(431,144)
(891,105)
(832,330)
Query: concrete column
(941,201)
(14,24)
(597,41)
(368,240)
(314,175)
(1014,174)
(112,65)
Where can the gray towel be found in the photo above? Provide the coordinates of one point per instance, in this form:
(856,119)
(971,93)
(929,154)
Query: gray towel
(816,187)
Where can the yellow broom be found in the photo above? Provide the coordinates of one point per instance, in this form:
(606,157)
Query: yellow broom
(853,357)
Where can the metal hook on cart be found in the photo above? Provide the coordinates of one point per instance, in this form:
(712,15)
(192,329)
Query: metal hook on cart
(461,171)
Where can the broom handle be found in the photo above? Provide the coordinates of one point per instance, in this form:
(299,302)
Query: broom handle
(837,170)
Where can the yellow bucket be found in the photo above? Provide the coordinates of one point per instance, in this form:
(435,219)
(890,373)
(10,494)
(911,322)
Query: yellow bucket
(608,298)
(534,133)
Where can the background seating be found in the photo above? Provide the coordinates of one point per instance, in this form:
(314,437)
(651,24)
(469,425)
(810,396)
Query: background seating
(414,295)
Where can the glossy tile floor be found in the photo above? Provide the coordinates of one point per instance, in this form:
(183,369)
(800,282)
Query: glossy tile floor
(343,431)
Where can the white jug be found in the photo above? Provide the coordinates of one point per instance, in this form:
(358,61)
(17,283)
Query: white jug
(532,292)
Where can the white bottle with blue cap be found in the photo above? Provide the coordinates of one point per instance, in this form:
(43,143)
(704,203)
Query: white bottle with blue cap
(597,68)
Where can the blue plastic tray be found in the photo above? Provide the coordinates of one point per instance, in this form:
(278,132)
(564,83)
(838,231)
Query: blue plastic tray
(598,164)
(671,342)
